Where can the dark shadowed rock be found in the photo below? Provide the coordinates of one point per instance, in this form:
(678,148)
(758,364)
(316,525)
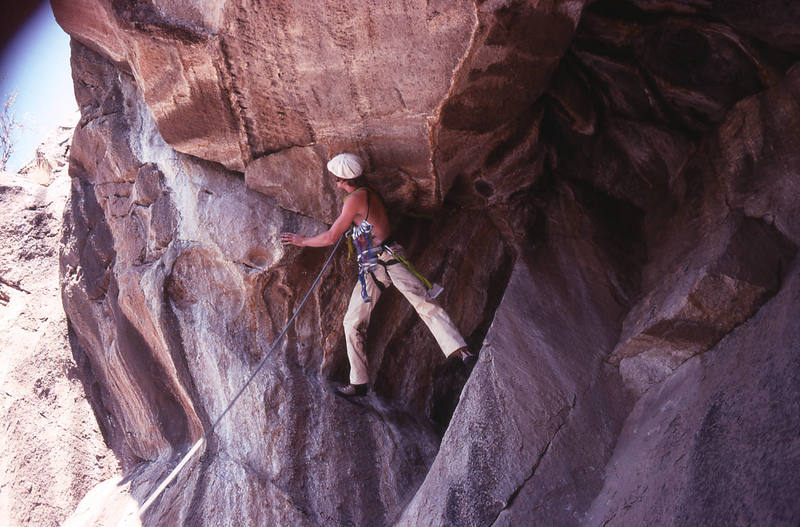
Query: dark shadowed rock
(486,139)
(773,21)
(714,266)
(739,265)
(716,442)
(756,156)
(515,451)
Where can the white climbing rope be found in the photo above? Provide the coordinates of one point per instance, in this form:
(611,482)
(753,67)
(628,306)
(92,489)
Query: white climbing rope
(192,451)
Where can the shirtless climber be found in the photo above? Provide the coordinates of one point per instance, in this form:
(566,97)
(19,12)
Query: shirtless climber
(381,263)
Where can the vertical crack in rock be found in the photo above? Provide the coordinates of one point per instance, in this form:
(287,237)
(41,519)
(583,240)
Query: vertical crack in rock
(509,502)
(236,100)
(435,120)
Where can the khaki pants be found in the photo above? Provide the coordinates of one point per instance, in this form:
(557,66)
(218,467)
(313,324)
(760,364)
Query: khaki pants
(358,312)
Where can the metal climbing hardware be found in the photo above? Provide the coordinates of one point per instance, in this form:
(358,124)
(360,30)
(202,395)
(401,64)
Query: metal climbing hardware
(361,240)
(367,252)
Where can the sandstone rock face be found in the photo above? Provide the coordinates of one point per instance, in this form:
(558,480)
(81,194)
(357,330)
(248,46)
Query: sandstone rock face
(279,174)
(606,191)
(404,85)
(177,286)
(51,448)
(234,83)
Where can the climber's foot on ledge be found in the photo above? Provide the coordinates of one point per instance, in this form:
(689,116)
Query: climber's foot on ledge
(467,357)
(352,390)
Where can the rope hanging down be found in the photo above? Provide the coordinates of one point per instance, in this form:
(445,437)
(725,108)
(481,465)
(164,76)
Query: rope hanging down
(156,493)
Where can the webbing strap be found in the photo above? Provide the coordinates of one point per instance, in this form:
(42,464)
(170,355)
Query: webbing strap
(356,190)
(381,286)
(150,499)
(411,268)
(350,248)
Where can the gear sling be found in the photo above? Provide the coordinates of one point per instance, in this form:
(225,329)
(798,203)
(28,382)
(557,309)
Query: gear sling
(362,241)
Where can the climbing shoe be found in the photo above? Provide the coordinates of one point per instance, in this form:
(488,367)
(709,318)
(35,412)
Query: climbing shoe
(468,358)
(352,390)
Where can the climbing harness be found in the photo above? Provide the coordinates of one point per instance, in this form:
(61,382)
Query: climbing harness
(367,254)
(156,493)
(361,240)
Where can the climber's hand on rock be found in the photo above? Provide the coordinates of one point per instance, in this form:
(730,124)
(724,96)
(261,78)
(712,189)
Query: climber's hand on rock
(290,238)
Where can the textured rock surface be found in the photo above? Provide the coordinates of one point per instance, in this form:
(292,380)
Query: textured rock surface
(606,191)
(722,282)
(725,251)
(177,287)
(516,451)
(487,135)
(51,449)
(235,82)
(715,438)
(716,442)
